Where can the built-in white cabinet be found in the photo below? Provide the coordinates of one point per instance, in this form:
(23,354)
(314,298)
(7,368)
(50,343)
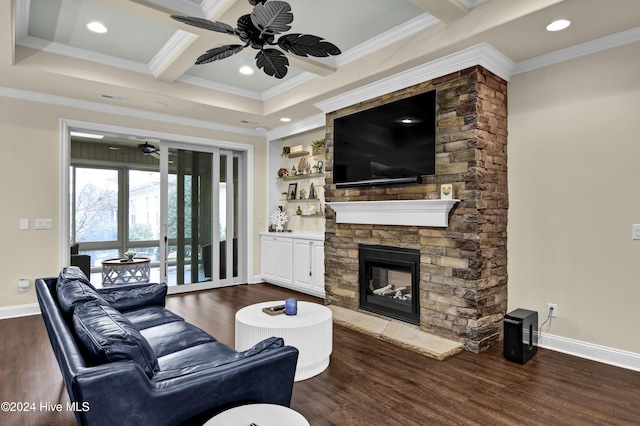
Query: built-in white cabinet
(293,260)
(277,259)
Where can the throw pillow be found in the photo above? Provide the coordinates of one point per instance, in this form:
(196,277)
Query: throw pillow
(74,293)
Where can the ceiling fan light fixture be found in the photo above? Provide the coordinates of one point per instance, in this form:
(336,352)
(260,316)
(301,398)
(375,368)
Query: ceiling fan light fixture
(97,27)
(263,30)
(558,25)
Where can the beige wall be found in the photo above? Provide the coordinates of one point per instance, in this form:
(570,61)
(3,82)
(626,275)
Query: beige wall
(30,185)
(573,165)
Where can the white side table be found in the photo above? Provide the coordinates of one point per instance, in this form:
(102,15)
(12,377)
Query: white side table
(311,331)
(259,414)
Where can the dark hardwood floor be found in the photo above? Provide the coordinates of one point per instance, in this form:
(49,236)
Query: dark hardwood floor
(368,382)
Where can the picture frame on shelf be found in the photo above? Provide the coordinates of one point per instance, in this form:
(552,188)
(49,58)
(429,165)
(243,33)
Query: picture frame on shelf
(293,190)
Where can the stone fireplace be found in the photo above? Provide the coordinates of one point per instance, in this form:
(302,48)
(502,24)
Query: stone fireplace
(461,291)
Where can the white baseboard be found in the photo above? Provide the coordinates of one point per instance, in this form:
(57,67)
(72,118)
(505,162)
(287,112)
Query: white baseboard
(19,311)
(603,354)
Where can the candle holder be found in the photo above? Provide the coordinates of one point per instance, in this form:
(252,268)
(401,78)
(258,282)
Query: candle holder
(290,306)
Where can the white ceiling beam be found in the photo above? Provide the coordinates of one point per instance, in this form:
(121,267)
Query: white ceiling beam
(444,10)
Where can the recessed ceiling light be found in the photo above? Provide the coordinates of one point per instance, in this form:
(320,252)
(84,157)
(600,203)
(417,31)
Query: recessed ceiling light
(97,27)
(407,121)
(246,70)
(558,25)
(285,119)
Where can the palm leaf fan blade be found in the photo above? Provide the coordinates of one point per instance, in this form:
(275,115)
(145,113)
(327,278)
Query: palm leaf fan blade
(307,45)
(219,53)
(219,27)
(272,62)
(272,18)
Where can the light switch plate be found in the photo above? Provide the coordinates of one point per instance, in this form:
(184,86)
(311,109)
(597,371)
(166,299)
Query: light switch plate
(44,223)
(24,224)
(635,232)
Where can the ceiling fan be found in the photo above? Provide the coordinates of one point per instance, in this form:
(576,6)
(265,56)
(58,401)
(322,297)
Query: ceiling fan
(147,149)
(259,30)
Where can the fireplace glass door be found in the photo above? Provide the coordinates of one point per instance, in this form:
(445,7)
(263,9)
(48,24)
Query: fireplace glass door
(389,282)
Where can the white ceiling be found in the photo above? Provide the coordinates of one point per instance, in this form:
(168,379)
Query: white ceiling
(147,57)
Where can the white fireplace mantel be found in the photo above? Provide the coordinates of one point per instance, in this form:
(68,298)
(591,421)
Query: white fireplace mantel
(395,212)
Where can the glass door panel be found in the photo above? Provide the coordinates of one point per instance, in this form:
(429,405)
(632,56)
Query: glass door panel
(144,214)
(190,216)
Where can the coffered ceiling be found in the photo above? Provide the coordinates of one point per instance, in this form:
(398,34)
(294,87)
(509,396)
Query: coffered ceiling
(145,59)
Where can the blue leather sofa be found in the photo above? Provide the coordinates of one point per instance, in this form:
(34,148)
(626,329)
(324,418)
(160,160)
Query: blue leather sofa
(127,360)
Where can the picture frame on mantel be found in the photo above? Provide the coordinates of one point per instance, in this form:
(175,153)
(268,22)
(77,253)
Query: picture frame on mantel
(292,192)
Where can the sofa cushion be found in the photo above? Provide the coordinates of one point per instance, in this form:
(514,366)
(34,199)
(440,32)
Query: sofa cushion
(107,336)
(175,336)
(74,293)
(150,317)
(72,273)
(208,355)
(135,297)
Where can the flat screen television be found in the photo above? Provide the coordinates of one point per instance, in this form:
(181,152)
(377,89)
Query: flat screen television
(392,143)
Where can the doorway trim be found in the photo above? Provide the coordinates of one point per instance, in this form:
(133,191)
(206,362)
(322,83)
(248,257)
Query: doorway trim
(65,148)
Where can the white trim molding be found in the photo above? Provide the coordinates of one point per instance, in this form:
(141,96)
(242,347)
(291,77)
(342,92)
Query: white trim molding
(395,212)
(603,354)
(16,311)
(482,54)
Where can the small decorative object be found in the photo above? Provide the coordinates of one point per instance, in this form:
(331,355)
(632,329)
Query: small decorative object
(312,192)
(286,150)
(291,306)
(293,189)
(303,194)
(293,171)
(313,210)
(318,147)
(273,310)
(129,255)
(303,165)
(278,219)
(446,191)
(282,172)
(299,211)
(320,165)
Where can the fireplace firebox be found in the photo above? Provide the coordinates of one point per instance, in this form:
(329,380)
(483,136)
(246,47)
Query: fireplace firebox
(389,282)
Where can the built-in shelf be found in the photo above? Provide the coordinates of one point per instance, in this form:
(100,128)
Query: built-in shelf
(298,154)
(395,212)
(307,176)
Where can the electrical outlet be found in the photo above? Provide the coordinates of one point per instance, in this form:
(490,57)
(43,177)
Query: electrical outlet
(553,310)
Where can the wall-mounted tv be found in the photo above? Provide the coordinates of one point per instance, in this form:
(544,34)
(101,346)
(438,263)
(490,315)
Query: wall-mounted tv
(388,144)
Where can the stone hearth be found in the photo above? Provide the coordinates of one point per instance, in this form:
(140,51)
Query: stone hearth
(463,263)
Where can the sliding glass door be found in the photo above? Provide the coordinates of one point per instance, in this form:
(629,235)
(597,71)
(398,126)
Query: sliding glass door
(200,222)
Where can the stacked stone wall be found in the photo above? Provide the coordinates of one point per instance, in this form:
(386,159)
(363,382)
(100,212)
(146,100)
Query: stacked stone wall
(463,268)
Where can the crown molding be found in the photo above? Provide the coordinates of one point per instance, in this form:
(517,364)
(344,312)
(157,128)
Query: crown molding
(129,112)
(171,49)
(310,123)
(85,55)
(579,50)
(399,33)
(208,84)
(482,54)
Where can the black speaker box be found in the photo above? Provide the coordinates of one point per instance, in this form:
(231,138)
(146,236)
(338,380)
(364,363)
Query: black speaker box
(520,335)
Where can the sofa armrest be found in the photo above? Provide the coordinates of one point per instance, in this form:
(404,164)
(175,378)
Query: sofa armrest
(126,298)
(120,393)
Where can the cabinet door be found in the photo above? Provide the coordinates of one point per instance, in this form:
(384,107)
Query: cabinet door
(268,263)
(318,267)
(302,264)
(284,260)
